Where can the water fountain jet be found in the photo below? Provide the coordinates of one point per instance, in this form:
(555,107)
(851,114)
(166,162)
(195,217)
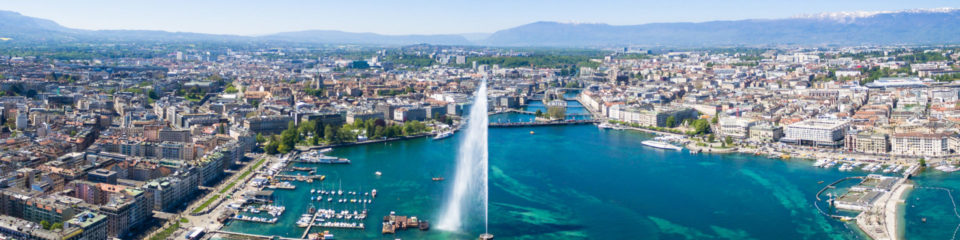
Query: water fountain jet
(470,180)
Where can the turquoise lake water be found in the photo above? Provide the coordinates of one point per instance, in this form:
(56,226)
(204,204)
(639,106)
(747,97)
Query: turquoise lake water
(581,182)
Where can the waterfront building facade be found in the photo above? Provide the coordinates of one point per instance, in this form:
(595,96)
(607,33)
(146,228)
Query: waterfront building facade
(919,144)
(817,132)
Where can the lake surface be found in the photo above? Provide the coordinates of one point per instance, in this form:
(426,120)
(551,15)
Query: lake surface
(580,182)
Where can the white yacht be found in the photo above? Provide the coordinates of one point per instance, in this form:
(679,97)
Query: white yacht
(442,135)
(661,145)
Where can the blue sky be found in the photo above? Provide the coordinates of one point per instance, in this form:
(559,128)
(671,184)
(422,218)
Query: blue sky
(246,17)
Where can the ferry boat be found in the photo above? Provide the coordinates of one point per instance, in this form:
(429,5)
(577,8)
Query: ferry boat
(318,157)
(443,135)
(327,159)
(661,145)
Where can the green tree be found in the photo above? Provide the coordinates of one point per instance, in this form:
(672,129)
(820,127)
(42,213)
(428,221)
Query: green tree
(671,121)
(45,224)
(539,113)
(329,133)
(700,126)
(728,140)
(346,135)
(715,119)
(710,137)
(272,147)
(288,138)
(306,128)
(378,132)
(923,162)
(56,226)
(261,139)
(231,89)
(318,129)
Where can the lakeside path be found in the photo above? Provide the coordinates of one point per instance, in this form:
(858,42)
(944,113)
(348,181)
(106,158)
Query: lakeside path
(892,208)
(881,221)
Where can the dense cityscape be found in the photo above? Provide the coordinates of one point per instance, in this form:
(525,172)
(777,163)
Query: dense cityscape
(280,140)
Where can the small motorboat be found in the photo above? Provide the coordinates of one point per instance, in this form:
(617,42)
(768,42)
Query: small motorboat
(438,179)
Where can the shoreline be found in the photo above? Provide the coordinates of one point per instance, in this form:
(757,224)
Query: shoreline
(891,216)
(886,213)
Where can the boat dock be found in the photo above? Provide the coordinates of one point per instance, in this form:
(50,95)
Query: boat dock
(312,219)
(876,198)
(302,178)
(255,219)
(253,236)
(551,123)
(392,223)
(347,225)
(281,186)
(832,185)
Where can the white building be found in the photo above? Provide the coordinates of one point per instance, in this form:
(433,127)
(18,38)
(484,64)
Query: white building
(736,127)
(919,144)
(817,132)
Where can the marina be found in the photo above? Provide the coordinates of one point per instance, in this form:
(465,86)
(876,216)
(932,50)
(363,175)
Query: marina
(408,167)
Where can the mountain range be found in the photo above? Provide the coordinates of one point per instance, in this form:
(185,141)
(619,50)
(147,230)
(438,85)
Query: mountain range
(927,26)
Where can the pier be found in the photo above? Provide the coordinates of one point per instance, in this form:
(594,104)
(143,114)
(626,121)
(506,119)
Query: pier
(287,177)
(511,110)
(551,123)
(876,198)
(831,185)
(309,226)
(256,219)
(254,236)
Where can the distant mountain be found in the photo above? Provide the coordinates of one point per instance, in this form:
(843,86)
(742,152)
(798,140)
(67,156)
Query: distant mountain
(25,29)
(901,27)
(931,26)
(16,26)
(326,36)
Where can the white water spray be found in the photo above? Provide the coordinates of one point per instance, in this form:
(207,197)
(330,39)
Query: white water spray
(470,182)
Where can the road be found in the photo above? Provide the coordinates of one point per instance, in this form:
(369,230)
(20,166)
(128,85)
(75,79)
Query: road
(209,220)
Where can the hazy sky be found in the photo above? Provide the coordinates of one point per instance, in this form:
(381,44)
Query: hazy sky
(247,17)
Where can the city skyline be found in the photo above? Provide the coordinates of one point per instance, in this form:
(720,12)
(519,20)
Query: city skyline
(251,19)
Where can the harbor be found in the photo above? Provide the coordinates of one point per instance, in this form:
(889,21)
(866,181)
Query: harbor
(874,199)
(408,168)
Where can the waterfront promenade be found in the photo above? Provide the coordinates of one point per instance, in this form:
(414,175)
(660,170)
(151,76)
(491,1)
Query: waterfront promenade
(881,221)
